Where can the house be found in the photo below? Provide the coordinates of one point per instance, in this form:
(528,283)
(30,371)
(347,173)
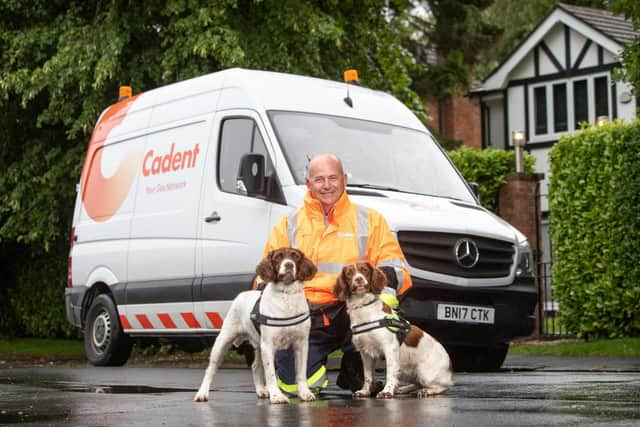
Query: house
(561,74)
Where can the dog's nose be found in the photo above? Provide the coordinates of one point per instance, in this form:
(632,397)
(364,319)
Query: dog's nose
(288,265)
(359,280)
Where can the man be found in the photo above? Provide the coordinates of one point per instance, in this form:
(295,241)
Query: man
(332,231)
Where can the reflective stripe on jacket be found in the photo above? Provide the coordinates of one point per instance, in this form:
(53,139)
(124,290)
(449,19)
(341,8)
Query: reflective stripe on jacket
(349,233)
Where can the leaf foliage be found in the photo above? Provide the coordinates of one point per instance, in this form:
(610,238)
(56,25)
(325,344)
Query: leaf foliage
(594,194)
(489,168)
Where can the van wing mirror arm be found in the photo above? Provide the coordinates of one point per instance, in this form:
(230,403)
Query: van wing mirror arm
(475,188)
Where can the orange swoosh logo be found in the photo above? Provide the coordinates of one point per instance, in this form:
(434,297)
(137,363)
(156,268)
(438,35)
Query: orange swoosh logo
(102,197)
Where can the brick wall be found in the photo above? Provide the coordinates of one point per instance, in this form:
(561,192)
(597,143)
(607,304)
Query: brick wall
(519,204)
(457,118)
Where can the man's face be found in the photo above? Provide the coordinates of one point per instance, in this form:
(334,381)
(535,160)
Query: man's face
(326,181)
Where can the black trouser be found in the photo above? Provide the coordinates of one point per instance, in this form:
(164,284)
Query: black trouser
(323,340)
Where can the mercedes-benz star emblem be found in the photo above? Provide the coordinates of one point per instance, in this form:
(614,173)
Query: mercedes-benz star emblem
(466,253)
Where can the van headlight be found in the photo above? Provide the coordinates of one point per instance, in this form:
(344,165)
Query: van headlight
(524,267)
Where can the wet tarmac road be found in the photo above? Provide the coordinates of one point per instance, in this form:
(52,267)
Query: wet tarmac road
(525,394)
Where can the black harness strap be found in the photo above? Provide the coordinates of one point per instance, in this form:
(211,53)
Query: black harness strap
(260,319)
(401,325)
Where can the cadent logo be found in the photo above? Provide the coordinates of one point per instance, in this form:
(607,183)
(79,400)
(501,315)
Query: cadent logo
(102,197)
(170,162)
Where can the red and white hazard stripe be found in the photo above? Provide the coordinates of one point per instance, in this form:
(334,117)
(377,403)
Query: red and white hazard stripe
(170,321)
(142,318)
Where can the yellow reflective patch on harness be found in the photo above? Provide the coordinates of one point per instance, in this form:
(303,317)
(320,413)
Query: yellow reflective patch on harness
(392,316)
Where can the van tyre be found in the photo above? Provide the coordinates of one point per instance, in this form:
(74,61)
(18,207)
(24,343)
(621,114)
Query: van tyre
(477,359)
(104,342)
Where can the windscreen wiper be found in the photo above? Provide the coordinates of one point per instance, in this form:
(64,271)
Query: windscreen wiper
(374,187)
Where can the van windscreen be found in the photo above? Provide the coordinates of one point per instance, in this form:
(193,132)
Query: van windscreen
(373,154)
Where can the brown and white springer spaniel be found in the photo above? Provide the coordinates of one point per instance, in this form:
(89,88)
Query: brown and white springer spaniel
(282,314)
(420,361)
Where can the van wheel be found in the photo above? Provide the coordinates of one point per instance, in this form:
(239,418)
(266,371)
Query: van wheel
(104,342)
(477,359)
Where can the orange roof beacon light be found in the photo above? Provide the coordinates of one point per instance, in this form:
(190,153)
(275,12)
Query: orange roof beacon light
(351,76)
(124,93)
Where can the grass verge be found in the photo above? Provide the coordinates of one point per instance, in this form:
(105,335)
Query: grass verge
(40,347)
(609,347)
(630,347)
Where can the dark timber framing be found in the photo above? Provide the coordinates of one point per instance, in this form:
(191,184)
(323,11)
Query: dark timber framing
(583,52)
(551,56)
(567,47)
(614,100)
(526,112)
(505,107)
(565,74)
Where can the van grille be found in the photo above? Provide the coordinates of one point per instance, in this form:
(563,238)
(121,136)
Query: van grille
(434,252)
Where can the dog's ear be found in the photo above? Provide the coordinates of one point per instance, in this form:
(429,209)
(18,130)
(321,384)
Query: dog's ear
(341,288)
(378,280)
(265,269)
(306,269)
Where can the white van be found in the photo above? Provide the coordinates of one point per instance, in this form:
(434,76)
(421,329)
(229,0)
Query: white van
(181,186)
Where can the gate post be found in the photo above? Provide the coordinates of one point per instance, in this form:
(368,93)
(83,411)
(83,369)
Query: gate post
(519,205)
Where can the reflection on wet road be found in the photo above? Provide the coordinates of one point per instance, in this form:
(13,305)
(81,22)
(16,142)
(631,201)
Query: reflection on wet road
(163,396)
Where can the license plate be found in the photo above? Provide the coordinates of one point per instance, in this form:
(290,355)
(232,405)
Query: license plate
(466,313)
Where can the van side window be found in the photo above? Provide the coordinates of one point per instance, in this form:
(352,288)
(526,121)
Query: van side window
(239,136)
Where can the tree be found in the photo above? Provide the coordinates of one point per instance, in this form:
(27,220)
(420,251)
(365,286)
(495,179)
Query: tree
(631,53)
(62,62)
(457,31)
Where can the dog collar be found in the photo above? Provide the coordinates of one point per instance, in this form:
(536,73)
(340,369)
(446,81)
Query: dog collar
(375,298)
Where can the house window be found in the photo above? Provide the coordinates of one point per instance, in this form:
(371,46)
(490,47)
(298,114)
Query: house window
(560,107)
(540,105)
(580,103)
(601,96)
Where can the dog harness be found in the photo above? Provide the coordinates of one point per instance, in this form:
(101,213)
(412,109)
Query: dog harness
(393,322)
(260,319)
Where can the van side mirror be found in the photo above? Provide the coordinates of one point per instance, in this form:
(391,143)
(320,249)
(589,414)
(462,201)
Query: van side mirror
(250,179)
(475,188)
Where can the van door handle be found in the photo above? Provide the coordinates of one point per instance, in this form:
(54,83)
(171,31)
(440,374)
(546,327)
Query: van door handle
(214,217)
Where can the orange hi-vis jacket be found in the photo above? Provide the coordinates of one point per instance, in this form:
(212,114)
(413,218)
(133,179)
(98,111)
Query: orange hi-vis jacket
(349,233)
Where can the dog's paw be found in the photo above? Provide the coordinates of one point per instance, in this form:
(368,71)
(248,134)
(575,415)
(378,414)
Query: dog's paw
(384,394)
(262,393)
(426,392)
(201,397)
(278,398)
(306,396)
(361,393)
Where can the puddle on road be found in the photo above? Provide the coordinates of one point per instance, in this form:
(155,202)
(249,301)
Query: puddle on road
(90,388)
(119,389)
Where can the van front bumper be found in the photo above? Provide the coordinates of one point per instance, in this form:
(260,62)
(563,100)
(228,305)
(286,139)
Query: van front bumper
(514,311)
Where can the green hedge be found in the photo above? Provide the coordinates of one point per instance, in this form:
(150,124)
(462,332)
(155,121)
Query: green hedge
(594,200)
(34,306)
(489,169)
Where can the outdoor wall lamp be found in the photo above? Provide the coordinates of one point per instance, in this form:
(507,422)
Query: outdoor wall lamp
(602,120)
(518,138)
